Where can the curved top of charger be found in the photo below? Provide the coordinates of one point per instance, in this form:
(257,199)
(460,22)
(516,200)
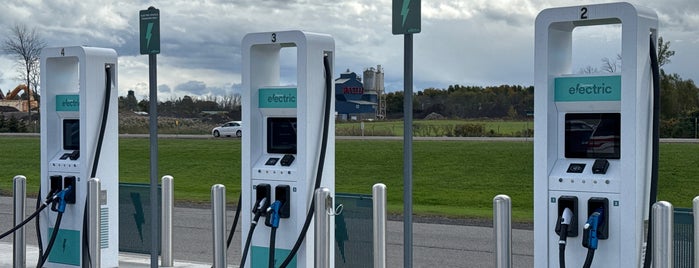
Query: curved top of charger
(287,38)
(567,18)
(76,51)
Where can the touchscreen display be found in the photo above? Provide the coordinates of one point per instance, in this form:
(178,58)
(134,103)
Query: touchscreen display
(593,135)
(281,135)
(71,134)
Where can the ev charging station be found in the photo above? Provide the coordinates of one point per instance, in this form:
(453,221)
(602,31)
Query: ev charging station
(592,156)
(288,140)
(79,141)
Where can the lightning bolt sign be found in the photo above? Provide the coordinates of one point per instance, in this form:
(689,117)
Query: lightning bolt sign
(404,11)
(405,16)
(149,33)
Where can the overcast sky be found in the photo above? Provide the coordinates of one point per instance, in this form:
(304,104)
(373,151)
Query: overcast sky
(467,42)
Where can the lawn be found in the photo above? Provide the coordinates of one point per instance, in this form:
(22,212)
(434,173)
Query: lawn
(430,127)
(451,178)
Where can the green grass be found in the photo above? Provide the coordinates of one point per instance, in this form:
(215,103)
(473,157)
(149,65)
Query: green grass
(395,127)
(451,178)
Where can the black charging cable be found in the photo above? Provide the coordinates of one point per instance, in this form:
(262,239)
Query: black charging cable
(259,209)
(235,222)
(655,69)
(58,205)
(273,222)
(321,163)
(41,207)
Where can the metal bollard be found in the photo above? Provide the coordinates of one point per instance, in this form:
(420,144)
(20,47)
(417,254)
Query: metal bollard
(218,216)
(166,221)
(378,193)
(502,230)
(695,203)
(323,211)
(663,219)
(93,222)
(19,188)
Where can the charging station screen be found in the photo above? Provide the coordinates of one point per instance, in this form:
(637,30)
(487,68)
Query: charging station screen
(71,134)
(593,135)
(281,135)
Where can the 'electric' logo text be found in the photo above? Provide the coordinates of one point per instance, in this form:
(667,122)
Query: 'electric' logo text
(590,89)
(70,103)
(281,98)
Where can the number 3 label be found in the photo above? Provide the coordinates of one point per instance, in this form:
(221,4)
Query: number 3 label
(274,37)
(583,13)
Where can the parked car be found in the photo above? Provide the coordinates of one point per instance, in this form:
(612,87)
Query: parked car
(228,129)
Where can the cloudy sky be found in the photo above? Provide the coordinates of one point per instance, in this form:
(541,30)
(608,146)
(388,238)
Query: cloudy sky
(467,42)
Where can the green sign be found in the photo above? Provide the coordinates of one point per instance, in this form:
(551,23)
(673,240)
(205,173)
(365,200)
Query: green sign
(150,30)
(67,248)
(406,16)
(67,103)
(589,88)
(277,98)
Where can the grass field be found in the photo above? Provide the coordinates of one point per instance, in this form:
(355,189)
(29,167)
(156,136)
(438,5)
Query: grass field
(451,178)
(395,128)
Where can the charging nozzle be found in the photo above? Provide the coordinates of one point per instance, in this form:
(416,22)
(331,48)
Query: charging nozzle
(60,204)
(590,237)
(261,206)
(567,217)
(273,214)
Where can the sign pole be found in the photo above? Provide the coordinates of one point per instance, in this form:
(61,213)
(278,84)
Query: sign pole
(150,44)
(406,21)
(153,111)
(408,152)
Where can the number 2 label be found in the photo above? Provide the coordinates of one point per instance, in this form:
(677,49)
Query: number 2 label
(583,13)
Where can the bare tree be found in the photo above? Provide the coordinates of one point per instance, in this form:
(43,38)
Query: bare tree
(611,66)
(26,45)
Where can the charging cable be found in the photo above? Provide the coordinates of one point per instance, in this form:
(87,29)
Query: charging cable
(58,205)
(590,238)
(259,209)
(565,220)
(273,221)
(49,200)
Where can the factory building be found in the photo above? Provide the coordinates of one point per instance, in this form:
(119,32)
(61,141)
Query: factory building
(355,100)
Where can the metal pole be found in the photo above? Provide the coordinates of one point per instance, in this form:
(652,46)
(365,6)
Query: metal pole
(166,222)
(218,216)
(502,230)
(153,126)
(408,152)
(19,186)
(93,222)
(378,193)
(324,210)
(695,203)
(662,234)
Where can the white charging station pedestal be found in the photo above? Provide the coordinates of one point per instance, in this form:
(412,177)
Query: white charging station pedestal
(282,136)
(592,137)
(74,83)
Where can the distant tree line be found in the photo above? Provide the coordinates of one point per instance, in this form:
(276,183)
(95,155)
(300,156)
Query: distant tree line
(185,107)
(466,102)
(678,112)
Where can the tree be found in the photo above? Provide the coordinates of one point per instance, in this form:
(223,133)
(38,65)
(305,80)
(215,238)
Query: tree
(26,45)
(664,52)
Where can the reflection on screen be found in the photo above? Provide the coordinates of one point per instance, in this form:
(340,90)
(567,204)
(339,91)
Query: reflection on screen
(281,135)
(71,134)
(593,135)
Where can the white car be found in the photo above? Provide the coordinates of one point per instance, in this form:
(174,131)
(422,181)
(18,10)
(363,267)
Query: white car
(228,129)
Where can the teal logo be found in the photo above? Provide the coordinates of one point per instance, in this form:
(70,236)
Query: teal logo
(277,98)
(590,88)
(67,103)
